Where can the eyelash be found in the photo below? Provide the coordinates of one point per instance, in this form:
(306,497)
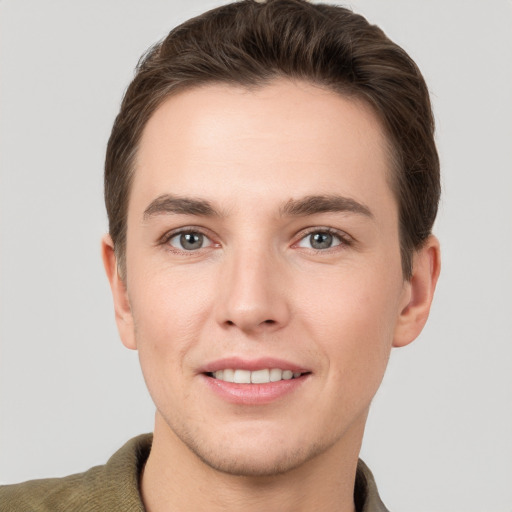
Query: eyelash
(344,239)
(165,240)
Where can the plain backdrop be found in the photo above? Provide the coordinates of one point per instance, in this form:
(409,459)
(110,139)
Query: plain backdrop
(439,436)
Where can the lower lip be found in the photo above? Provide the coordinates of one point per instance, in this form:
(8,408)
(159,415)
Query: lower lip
(254,394)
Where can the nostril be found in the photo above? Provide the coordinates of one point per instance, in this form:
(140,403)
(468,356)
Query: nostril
(250,321)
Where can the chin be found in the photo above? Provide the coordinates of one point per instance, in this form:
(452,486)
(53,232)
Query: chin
(257,462)
(252,454)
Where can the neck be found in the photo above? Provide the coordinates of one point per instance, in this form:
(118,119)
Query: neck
(176,479)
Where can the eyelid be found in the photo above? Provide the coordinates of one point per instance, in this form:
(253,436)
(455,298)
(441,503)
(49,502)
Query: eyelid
(344,238)
(169,235)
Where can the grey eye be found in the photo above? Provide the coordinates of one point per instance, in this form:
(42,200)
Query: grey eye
(320,240)
(189,241)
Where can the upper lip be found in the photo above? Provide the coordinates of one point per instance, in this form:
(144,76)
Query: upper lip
(260,363)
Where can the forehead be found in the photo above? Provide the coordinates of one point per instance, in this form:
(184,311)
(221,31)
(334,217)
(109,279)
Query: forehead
(286,137)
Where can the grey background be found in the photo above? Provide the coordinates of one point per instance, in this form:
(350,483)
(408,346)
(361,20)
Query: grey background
(439,437)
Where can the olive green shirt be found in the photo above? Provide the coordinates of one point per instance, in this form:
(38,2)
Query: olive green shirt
(115,487)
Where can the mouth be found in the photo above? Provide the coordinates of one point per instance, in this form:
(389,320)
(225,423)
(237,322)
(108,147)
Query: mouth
(263,376)
(260,381)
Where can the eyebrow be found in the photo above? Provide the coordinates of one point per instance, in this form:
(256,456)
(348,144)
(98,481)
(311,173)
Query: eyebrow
(311,205)
(169,204)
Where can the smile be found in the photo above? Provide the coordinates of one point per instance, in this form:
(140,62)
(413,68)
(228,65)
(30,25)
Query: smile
(263,376)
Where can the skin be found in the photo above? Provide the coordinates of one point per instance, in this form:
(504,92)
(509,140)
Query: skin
(258,289)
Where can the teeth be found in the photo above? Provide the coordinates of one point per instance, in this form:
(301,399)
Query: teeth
(227,375)
(256,377)
(242,377)
(276,374)
(260,376)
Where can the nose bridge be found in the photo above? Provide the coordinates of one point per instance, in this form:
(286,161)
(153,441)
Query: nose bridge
(253,297)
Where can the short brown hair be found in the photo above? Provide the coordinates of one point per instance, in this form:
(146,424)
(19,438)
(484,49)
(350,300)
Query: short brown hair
(250,43)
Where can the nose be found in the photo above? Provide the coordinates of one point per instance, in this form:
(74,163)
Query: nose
(254,295)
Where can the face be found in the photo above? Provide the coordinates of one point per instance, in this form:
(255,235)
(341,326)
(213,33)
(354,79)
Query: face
(264,286)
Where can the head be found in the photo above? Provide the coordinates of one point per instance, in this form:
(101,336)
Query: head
(250,44)
(271,183)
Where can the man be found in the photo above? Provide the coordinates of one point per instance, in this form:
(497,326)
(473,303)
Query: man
(271,183)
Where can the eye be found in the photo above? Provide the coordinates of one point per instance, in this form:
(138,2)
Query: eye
(320,240)
(189,241)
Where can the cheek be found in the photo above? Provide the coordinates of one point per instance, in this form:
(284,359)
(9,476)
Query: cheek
(169,311)
(353,303)
(353,317)
(169,314)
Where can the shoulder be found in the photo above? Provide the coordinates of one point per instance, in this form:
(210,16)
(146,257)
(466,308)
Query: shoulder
(52,494)
(113,486)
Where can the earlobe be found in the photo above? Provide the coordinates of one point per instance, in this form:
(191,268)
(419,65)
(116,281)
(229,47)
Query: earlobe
(419,293)
(123,313)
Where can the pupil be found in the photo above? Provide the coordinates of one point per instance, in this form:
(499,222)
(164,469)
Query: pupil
(191,241)
(321,240)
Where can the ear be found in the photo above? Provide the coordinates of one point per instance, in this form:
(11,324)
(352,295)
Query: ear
(418,293)
(124,318)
